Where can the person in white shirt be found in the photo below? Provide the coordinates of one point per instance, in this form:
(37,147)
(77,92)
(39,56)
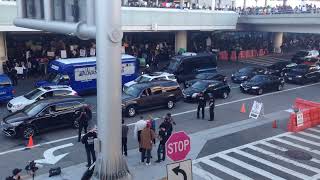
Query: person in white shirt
(139,126)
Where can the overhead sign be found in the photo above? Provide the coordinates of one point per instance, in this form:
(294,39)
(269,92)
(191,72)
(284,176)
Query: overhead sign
(256,109)
(180,170)
(299,119)
(178,146)
(49,158)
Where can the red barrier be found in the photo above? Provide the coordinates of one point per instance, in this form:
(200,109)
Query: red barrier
(242,55)
(254,53)
(233,56)
(261,52)
(311,115)
(223,55)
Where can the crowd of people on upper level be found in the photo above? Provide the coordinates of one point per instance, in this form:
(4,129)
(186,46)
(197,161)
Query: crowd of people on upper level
(308,8)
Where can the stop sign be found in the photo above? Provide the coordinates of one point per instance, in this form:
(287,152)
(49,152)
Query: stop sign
(178,146)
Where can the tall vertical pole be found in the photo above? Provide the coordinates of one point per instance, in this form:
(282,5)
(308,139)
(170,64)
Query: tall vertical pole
(110,165)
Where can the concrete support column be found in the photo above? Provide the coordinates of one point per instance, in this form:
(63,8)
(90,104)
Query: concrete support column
(213,5)
(284,2)
(244,4)
(265,3)
(277,42)
(180,40)
(3,51)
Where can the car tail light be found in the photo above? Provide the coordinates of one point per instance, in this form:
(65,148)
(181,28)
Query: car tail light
(13,91)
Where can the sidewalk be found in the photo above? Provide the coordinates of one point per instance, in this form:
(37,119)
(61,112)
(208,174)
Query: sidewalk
(199,139)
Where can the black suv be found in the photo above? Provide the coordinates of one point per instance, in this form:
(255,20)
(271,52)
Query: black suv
(44,114)
(150,95)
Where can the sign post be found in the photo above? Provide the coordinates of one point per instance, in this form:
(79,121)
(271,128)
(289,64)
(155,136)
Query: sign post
(299,119)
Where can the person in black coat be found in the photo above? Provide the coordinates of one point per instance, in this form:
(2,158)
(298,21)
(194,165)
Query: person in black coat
(83,122)
(163,137)
(88,141)
(211,107)
(201,104)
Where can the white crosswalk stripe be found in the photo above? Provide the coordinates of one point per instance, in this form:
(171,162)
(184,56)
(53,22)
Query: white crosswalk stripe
(275,149)
(263,60)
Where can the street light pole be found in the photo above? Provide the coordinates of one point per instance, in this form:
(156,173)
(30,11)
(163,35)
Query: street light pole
(110,164)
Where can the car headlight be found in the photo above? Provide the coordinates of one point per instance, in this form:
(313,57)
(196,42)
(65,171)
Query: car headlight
(232,75)
(194,95)
(243,77)
(299,76)
(285,74)
(241,84)
(15,123)
(255,87)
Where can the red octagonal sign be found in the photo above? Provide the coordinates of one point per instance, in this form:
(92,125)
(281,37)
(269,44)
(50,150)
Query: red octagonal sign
(178,146)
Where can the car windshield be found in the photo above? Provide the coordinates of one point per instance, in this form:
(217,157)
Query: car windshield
(34,109)
(132,91)
(200,85)
(54,77)
(257,79)
(245,70)
(205,76)
(33,94)
(302,53)
(173,64)
(300,69)
(142,79)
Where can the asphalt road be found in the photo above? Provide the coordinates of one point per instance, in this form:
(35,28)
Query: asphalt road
(12,153)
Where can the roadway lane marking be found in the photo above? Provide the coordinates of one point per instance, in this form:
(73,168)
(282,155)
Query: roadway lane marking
(309,135)
(250,167)
(38,145)
(284,150)
(276,156)
(303,140)
(239,100)
(297,146)
(270,164)
(314,130)
(226,170)
(204,174)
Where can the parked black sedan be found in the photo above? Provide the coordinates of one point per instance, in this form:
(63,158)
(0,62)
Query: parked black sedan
(207,76)
(44,114)
(262,83)
(246,73)
(217,88)
(302,74)
(279,68)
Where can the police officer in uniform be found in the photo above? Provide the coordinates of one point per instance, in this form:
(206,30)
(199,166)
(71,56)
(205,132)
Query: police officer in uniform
(201,104)
(83,122)
(211,107)
(88,141)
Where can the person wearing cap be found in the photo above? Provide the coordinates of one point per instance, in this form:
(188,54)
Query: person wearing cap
(88,141)
(147,136)
(211,107)
(170,119)
(163,137)
(201,104)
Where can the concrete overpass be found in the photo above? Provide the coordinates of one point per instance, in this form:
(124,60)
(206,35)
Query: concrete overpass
(295,23)
(279,23)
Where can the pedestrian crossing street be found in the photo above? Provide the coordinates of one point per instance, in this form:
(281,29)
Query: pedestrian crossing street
(266,159)
(264,60)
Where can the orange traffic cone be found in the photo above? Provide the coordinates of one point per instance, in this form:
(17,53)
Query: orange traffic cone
(274,124)
(243,108)
(30,142)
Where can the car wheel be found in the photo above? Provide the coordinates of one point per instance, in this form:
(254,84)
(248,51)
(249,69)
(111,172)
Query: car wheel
(170,104)
(225,95)
(131,111)
(75,124)
(260,91)
(280,87)
(28,131)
